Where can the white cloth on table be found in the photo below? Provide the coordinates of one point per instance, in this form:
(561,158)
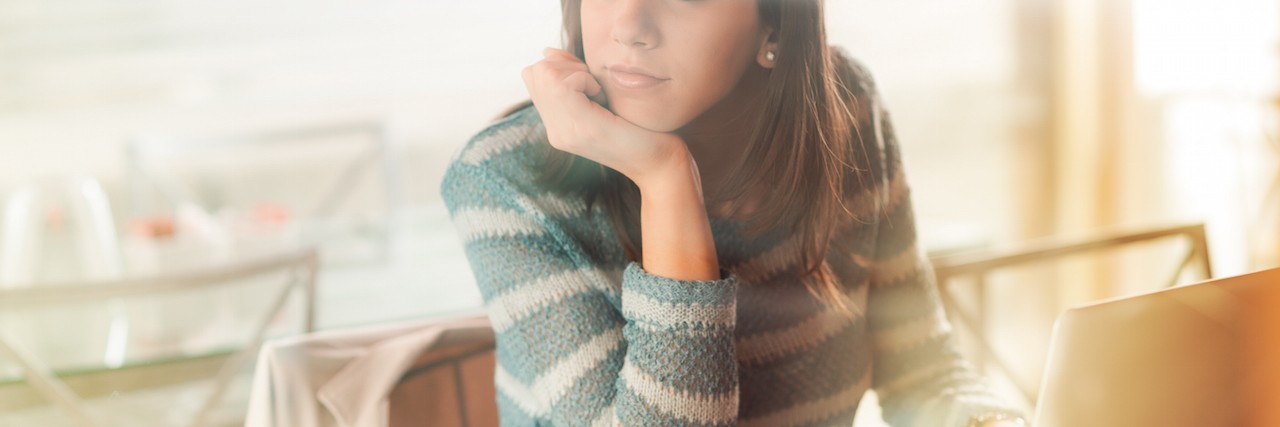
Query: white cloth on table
(349,378)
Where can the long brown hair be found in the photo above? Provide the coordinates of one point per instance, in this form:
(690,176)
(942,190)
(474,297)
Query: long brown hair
(807,148)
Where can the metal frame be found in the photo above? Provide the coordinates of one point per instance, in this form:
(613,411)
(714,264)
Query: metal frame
(302,265)
(978,264)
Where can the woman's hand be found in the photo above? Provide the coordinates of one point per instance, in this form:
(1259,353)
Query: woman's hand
(674,228)
(569,99)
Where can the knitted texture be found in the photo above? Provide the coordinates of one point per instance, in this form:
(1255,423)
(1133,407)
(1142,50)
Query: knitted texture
(586,337)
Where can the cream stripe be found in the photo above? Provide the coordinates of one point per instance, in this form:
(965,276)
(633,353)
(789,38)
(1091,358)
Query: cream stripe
(916,375)
(912,333)
(556,205)
(787,253)
(686,333)
(548,388)
(476,223)
(893,270)
(606,418)
(897,190)
(510,136)
(807,334)
(509,308)
(765,265)
(516,391)
(555,382)
(687,405)
(815,410)
(640,307)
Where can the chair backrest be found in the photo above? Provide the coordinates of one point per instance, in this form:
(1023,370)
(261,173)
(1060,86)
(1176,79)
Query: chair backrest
(293,272)
(337,180)
(970,306)
(83,213)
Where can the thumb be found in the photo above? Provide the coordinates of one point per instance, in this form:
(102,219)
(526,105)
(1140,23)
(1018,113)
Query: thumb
(584,82)
(596,93)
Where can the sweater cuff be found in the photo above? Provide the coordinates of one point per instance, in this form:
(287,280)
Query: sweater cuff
(663,302)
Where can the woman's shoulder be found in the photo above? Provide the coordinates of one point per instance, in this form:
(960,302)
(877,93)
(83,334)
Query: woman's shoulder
(507,139)
(855,74)
(872,189)
(501,163)
(510,147)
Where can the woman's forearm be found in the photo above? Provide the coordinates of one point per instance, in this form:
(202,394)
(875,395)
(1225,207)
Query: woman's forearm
(674,228)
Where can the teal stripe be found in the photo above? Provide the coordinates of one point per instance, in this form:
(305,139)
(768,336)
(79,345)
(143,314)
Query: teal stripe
(682,362)
(548,335)
(842,360)
(511,269)
(634,411)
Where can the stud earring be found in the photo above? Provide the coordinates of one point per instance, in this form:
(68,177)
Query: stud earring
(770,55)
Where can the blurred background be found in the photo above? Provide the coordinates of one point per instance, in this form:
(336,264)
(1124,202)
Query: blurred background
(194,155)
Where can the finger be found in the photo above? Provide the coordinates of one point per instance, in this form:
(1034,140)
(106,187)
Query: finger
(584,82)
(600,97)
(561,67)
(554,54)
(551,51)
(526,75)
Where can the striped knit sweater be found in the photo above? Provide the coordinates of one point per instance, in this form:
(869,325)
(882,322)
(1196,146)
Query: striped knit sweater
(586,337)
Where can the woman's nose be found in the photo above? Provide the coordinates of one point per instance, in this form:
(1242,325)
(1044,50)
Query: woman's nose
(633,24)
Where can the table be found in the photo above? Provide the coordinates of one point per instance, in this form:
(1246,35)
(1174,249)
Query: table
(424,275)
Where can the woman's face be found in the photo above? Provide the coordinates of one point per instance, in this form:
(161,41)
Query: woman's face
(683,55)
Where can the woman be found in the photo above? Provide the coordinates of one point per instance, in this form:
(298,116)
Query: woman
(702,220)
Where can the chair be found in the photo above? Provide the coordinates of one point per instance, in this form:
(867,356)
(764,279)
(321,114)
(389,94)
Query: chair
(89,237)
(338,180)
(980,265)
(298,267)
(436,372)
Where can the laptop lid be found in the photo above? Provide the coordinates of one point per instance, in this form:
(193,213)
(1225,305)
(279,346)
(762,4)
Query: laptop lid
(1205,354)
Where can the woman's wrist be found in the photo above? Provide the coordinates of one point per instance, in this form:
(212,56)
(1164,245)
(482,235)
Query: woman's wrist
(672,165)
(675,230)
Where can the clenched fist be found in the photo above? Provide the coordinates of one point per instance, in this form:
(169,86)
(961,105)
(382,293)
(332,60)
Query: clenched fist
(569,99)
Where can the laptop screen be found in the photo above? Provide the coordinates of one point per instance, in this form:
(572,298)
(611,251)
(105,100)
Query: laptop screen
(1197,355)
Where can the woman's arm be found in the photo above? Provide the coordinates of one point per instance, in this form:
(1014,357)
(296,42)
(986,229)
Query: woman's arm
(919,376)
(566,354)
(673,224)
(675,232)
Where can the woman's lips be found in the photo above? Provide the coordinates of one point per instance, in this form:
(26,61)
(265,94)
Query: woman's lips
(634,81)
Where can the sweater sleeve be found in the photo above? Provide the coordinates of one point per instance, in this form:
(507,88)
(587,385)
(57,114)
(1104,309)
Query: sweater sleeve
(567,355)
(919,376)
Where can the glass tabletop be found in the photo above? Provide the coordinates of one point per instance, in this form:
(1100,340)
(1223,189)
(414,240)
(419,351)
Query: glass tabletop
(152,353)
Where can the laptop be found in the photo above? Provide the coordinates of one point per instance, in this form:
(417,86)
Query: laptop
(1204,354)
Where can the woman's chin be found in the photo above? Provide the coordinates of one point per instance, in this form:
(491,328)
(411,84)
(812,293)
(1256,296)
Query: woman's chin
(647,118)
(648,115)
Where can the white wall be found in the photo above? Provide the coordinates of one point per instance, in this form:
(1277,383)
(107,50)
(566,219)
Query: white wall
(78,78)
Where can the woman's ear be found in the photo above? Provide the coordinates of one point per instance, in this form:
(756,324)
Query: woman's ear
(767,55)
